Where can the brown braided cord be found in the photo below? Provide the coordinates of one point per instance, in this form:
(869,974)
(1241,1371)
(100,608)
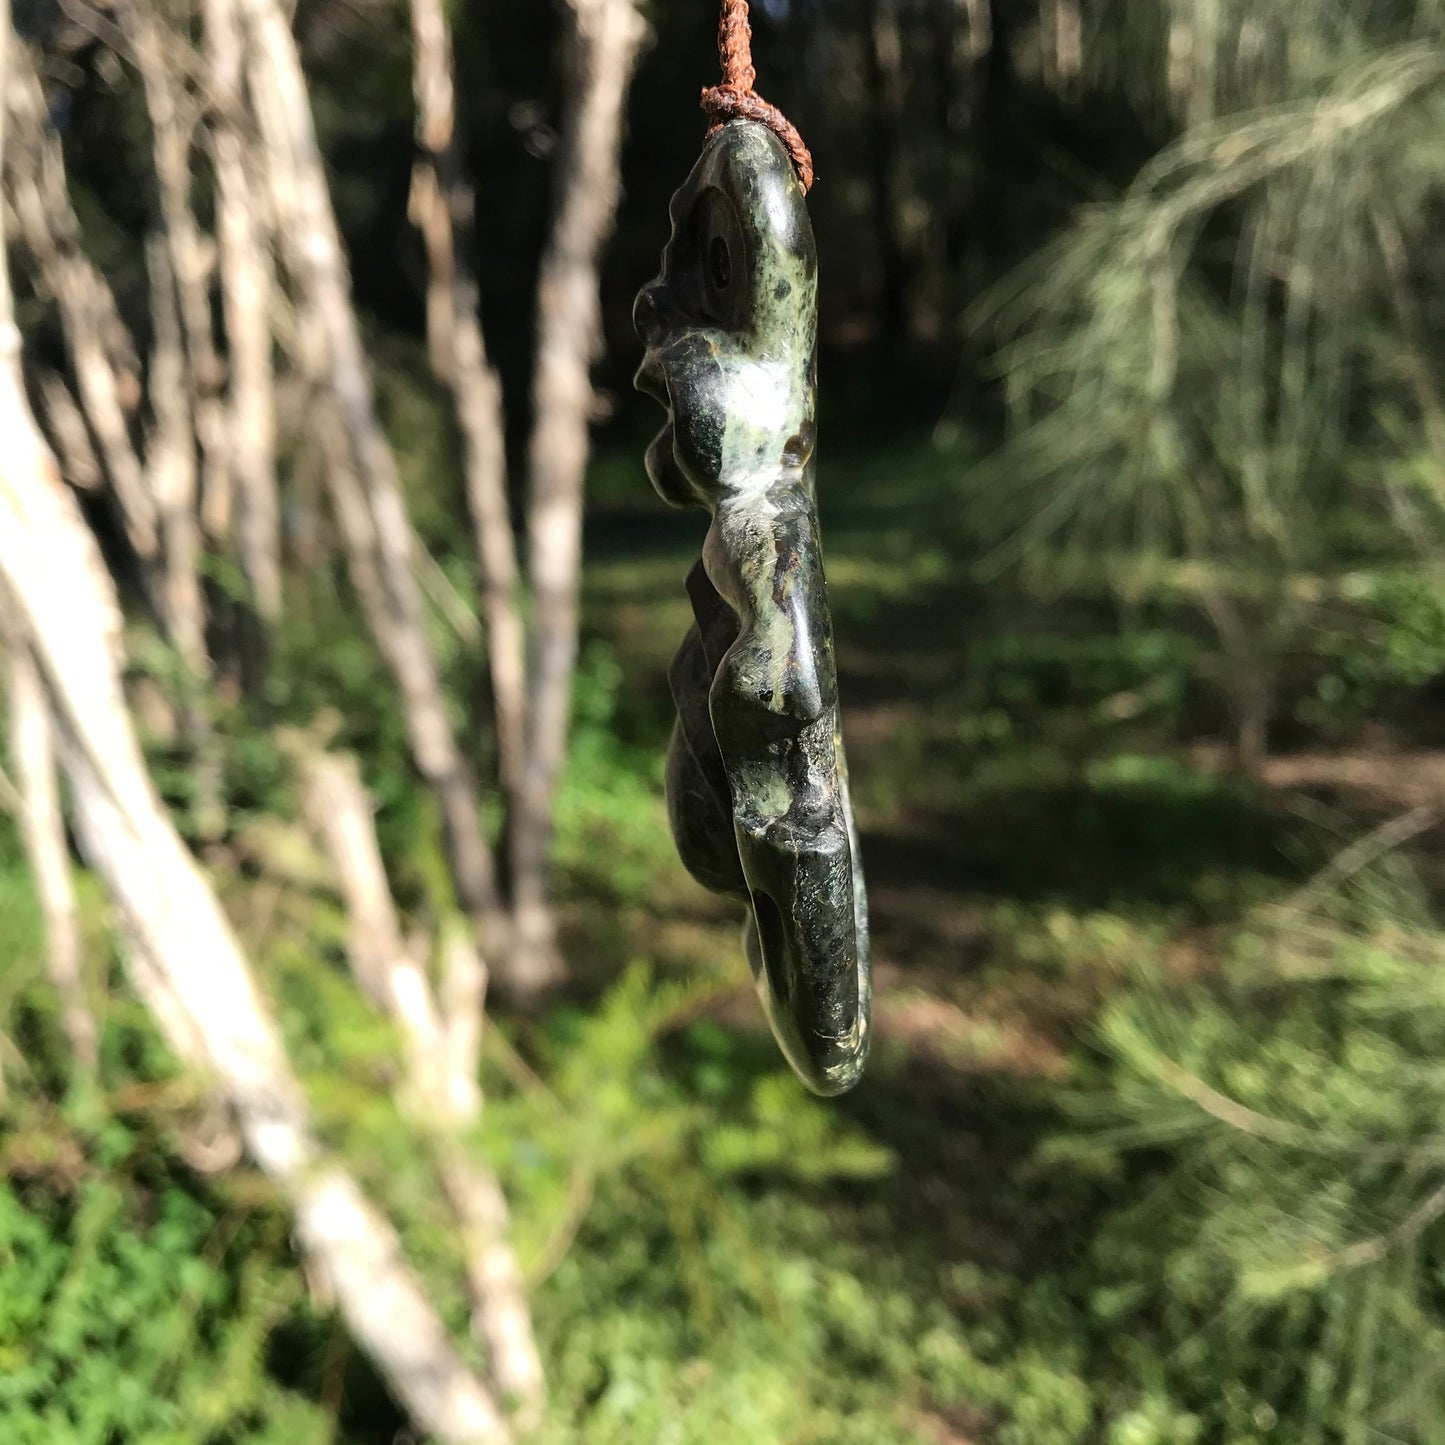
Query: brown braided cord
(735,46)
(735,98)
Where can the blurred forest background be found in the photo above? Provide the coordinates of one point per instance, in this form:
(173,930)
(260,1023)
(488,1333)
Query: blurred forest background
(1132,479)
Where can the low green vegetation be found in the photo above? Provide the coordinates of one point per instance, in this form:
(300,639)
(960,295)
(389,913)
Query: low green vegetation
(1147,1155)
(1143,714)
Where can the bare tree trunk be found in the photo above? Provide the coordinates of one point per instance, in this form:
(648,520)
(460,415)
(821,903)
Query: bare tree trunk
(247,282)
(461,999)
(1048,72)
(1061,43)
(976,39)
(42,826)
(65,601)
(434,92)
(883,57)
(1194,59)
(605,38)
(1249,681)
(157,497)
(390,973)
(171,476)
(100,353)
(68,433)
(501,1318)
(190,266)
(312,244)
(1067,41)
(441,1067)
(965,44)
(443,209)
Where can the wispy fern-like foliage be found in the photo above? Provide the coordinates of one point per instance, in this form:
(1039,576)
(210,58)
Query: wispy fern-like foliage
(1300,1220)
(1218,359)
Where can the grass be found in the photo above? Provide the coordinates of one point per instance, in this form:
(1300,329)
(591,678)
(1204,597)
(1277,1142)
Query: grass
(1045,831)
(715,1255)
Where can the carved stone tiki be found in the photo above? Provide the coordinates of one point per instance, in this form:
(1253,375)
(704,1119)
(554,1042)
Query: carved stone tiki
(757,784)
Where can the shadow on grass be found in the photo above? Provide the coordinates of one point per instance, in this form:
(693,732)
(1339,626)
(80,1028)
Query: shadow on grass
(1089,847)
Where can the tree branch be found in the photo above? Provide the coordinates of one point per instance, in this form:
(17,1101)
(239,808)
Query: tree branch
(42,827)
(441,1066)
(606,36)
(443,208)
(331,346)
(67,605)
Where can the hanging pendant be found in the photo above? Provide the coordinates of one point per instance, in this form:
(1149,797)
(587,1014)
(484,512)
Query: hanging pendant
(757,784)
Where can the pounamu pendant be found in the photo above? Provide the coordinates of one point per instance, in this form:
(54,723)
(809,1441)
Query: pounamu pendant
(757,785)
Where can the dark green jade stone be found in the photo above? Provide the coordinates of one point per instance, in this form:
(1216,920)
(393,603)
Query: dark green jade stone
(757,784)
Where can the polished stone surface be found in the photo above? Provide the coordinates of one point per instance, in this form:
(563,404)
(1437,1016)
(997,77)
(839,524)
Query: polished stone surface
(757,783)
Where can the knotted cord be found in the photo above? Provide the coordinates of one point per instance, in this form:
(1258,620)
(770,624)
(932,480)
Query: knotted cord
(735,98)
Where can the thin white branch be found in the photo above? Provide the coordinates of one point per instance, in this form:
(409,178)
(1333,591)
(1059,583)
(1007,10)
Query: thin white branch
(443,208)
(42,826)
(605,36)
(247,291)
(441,1065)
(67,605)
(331,345)
(100,349)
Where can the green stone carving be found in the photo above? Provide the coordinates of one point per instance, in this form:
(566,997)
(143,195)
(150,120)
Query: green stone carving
(757,783)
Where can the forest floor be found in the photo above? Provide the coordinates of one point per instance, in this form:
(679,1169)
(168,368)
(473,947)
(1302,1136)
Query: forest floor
(1048,817)
(1010,762)
(1051,831)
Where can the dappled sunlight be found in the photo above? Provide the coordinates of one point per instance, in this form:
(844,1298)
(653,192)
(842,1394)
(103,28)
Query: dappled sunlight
(372,1069)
